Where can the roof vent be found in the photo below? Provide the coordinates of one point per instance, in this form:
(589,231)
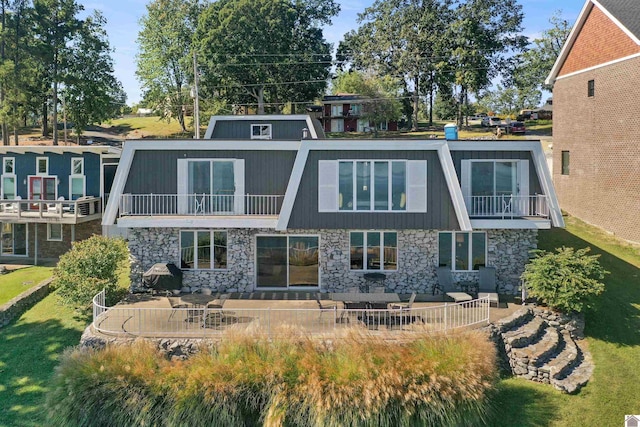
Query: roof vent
(305,133)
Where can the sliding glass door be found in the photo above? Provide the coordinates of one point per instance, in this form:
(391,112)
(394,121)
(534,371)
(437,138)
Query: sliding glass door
(14,239)
(286,261)
(211,186)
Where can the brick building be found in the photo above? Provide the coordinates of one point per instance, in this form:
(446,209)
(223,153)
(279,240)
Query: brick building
(596,144)
(346,113)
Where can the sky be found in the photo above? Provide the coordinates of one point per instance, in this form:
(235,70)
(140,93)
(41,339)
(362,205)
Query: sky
(123,18)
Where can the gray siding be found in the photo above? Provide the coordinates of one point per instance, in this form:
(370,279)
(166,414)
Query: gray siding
(534,182)
(241,129)
(440,213)
(156,171)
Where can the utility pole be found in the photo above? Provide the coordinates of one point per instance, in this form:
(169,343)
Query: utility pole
(196,106)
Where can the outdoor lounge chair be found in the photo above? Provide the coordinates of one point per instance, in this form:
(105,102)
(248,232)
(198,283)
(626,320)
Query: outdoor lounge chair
(404,306)
(487,285)
(324,306)
(445,283)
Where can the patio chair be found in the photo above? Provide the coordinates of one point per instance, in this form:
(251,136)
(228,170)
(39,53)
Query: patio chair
(175,305)
(404,306)
(324,306)
(487,285)
(445,283)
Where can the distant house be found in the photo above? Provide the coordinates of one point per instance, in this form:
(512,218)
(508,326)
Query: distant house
(50,197)
(279,127)
(344,113)
(596,144)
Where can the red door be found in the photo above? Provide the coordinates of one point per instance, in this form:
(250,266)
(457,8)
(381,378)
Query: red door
(41,188)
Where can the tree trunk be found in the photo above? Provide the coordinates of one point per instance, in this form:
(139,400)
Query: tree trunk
(431,98)
(261,100)
(15,135)
(55,104)
(414,125)
(45,119)
(3,89)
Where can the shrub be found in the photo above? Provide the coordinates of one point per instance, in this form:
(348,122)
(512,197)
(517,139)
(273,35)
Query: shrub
(567,280)
(355,381)
(90,266)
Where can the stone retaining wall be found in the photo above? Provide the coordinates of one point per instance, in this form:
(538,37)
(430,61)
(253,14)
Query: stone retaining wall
(507,251)
(18,305)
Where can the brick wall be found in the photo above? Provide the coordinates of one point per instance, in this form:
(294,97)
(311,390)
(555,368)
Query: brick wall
(599,41)
(602,135)
(53,249)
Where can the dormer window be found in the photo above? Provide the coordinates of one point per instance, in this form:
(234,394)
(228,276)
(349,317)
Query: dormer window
(260,131)
(8,165)
(42,166)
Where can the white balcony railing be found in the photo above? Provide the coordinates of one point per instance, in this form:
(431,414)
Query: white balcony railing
(27,208)
(199,204)
(507,206)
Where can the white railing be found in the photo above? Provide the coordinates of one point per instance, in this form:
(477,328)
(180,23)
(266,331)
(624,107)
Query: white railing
(199,204)
(508,206)
(212,322)
(60,208)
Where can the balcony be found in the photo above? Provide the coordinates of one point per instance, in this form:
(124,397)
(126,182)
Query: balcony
(62,211)
(199,210)
(521,211)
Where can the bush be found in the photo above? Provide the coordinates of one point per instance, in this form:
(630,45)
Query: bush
(567,280)
(248,381)
(90,266)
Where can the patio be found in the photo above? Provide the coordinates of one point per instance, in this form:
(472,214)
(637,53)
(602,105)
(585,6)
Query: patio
(271,312)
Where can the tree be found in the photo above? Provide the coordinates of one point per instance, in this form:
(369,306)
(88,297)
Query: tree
(510,100)
(403,39)
(165,62)
(534,65)
(484,32)
(567,279)
(91,92)
(56,23)
(265,51)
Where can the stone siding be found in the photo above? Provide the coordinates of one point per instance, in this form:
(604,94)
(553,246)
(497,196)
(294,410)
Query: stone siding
(18,305)
(507,250)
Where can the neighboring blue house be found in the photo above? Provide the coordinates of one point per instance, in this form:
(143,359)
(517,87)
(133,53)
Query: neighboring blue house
(249,215)
(50,197)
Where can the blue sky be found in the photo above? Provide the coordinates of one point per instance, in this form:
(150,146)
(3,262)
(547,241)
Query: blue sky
(123,17)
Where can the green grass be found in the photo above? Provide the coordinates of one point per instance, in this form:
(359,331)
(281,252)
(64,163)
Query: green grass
(613,336)
(29,351)
(147,127)
(18,281)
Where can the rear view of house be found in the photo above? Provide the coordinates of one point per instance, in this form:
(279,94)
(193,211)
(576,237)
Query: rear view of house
(326,214)
(596,144)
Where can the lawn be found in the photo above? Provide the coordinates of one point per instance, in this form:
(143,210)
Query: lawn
(148,127)
(613,337)
(29,351)
(18,281)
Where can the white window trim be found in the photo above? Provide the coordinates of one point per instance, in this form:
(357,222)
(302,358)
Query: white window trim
(372,186)
(13,247)
(84,184)
(261,136)
(255,260)
(195,242)
(364,251)
(15,183)
(29,192)
(81,160)
(46,172)
(470,254)
(5,160)
(51,239)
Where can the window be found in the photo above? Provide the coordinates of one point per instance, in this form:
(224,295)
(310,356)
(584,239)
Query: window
(372,185)
(383,126)
(42,166)
(565,163)
(373,250)
(336,110)
(77,166)
(462,251)
(8,182)
(356,109)
(13,239)
(260,131)
(591,87)
(203,250)
(54,232)
(8,165)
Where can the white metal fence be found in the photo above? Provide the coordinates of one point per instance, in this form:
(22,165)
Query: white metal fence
(199,204)
(508,206)
(211,322)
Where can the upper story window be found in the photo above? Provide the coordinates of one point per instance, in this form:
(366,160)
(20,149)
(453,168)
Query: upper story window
(77,166)
(591,88)
(565,163)
(372,185)
(261,131)
(9,165)
(356,109)
(336,110)
(42,166)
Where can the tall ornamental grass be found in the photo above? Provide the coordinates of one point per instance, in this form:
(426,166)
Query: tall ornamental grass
(246,380)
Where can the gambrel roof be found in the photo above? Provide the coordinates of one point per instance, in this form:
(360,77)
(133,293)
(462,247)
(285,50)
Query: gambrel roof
(625,14)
